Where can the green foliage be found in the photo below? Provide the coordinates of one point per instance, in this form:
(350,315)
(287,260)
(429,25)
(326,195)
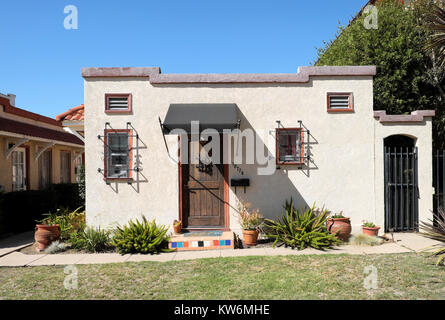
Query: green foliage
(301,229)
(81,182)
(368,224)
(91,240)
(435,22)
(68,221)
(435,229)
(20,210)
(405,79)
(141,237)
(337,215)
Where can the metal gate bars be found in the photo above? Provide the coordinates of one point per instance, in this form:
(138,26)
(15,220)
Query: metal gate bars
(401,189)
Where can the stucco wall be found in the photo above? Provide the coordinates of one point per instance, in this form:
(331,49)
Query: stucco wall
(341,177)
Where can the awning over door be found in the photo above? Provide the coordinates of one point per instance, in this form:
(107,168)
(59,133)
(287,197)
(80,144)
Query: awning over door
(210,116)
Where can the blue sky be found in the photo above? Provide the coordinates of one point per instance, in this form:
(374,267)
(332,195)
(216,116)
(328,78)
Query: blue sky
(40,61)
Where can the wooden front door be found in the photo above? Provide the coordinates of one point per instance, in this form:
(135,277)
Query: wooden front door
(202,194)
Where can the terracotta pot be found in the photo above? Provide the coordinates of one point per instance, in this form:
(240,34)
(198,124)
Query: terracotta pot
(341,226)
(250,237)
(177,228)
(373,232)
(45,234)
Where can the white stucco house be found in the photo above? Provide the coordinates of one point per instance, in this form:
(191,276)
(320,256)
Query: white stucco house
(316,138)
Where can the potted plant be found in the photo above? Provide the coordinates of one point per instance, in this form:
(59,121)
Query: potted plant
(250,222)
(340,226)
(45,234)
(177,226)
(370,229)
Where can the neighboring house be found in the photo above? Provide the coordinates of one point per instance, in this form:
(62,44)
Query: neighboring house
(35,150)
(72,121)
(317,140)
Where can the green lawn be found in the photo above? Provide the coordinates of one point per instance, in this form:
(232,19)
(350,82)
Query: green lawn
(400,276)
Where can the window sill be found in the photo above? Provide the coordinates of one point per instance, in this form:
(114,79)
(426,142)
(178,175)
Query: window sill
(122,180)
(285,163)
(340,110)
(118,111)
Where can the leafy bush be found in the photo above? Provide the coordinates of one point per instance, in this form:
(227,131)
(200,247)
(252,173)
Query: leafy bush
(141,237)
(68,221)
(301,229)
(249,220)
(20,210)
(81,182)
(435,229)
(91,240)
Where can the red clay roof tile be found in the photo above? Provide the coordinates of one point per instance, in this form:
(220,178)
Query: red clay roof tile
(73,114)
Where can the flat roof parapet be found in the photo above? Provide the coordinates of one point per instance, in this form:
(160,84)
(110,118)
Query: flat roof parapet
(156,77)
(415,116)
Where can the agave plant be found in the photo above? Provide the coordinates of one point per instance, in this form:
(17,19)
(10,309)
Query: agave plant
(141,237)
(435,229)
(435,22)
(300,230)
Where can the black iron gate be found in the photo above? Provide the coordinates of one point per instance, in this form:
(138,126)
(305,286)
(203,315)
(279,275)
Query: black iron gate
(401,189)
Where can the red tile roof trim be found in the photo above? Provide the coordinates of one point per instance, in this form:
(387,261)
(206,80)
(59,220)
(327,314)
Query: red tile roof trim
(416,116)
(73,114)
(30,130)
(155,76)
(27,114)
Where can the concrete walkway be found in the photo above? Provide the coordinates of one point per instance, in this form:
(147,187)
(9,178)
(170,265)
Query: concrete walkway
(405,242)
(16,242)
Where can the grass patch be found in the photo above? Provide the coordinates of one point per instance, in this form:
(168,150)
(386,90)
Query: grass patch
(400,276)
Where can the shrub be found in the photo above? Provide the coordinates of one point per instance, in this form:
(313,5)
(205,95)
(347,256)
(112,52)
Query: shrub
(301,229)
(20,210)
(68,221)
(435,229)
(249,220)
(141,237)
(91,240)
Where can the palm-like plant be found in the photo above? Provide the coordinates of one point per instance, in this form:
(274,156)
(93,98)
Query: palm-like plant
(435,21)
(435,229)
(301,229)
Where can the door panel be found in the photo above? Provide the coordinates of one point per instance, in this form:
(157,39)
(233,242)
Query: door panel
(202,194)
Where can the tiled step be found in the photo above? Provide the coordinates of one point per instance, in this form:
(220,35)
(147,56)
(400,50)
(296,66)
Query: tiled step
(202,241)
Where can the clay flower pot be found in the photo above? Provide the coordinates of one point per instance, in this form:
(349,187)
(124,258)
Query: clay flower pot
(341,226)
(177,227)
(250,237)
(373,232)
(45,234)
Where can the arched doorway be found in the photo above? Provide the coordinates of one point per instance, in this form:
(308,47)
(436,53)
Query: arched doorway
(401,184)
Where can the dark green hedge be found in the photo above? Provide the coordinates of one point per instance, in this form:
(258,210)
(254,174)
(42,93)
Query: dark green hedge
(20,210)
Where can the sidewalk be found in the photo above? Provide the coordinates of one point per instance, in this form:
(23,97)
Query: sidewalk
(16,242)
(406,242)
